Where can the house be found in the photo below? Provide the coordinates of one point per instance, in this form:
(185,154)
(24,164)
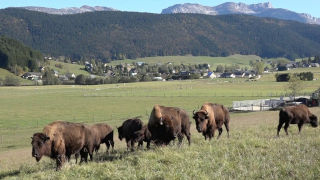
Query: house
(249,74)
(227,75)
(315,65)
(71,75)
(63,78)
(55,73)
(32,76)
(41,69)
(88,67)
(140,63)
(133,72)
(239,74)
(157,78)
(211,75)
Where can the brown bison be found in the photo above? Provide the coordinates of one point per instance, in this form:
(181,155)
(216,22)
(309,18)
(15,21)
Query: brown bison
(211,117)
(95,135)
(59,140)
(143,135)
(128,131)
(167,123)
(299,115)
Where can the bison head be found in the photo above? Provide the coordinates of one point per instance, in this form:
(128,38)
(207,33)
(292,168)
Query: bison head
(39,145)
(313,120)
(201,118)
(120,133)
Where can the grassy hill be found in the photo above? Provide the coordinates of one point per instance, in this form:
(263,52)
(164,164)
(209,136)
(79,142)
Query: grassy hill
(67,67)
(121,35)
(4,73)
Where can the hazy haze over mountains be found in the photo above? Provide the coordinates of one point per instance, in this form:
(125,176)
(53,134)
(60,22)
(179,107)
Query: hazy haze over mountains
(260,10)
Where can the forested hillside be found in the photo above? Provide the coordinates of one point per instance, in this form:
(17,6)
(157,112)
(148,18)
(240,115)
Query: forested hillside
(14,54)
(119,35)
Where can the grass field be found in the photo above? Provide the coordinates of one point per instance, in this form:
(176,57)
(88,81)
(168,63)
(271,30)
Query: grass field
(241,60)
(67,68)
(4,73)
(252,151)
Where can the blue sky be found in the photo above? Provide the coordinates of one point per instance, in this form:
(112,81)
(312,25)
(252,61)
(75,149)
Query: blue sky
(155,6)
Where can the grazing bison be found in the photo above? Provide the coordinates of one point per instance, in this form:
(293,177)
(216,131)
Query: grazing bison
(95,135)
(143,135)
(167,123)
(59,140)
(211,117)
(299,115)
(128,131)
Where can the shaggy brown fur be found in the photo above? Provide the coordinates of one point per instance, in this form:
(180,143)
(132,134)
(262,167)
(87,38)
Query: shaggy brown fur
(299,115)
(128,130)
(58,140)
(167,123)
(211,117)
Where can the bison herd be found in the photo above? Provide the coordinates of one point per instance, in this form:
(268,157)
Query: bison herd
(59,140)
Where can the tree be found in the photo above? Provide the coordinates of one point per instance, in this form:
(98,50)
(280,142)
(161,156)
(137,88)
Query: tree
(259,67)
(11,81)
(220,69)
(295,85)
(80,79)
(49,78)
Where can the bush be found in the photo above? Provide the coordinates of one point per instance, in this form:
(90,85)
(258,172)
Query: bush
(49,78)
(11,81)
(306,76)
(80,79)
(282,77)
(194,76)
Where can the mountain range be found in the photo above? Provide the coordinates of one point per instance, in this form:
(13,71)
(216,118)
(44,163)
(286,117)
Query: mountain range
(112,35)
(260,10)
(71,10)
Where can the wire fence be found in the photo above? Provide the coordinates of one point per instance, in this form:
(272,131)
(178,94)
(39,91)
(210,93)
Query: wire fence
(262,104)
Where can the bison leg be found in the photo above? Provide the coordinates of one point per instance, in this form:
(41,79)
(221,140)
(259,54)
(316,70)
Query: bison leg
(132,145)
(286,127)
(279,127)
(84,156)
(77,156)
(180,138)
(226,124)
(300,127)
(220,132)
(108,145)
(60,160)
(140,143)
(128,145)
(112,144)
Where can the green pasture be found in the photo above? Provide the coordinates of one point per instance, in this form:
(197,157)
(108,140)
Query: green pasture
(67,68)
(4,73)
(252,152)
(25,110)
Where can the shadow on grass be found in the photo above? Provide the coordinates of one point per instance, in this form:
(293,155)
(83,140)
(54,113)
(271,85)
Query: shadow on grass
(9,173)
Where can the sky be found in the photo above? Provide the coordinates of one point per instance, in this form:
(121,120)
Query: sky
(155,6)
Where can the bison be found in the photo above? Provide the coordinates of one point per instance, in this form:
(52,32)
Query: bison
(299,115)
(128,131)
(143,135)
(95,135)
(59,140)
(167,123)
(211,117)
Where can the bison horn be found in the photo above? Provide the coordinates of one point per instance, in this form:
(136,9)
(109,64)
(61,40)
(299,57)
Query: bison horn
(206,112)
(193,112)
(161,121)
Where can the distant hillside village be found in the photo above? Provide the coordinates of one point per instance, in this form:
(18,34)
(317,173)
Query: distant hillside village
(101,73)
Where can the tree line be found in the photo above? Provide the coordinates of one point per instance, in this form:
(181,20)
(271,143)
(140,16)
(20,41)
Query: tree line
(120,35)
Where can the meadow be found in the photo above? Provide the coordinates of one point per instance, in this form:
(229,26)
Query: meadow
(252,151)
